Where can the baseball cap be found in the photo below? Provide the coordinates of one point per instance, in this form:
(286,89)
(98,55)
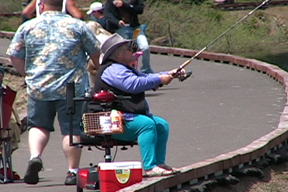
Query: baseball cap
(96,6)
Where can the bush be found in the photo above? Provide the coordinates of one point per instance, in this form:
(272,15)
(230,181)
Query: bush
(10,6)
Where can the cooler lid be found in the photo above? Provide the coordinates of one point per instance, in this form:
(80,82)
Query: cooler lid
(120,165)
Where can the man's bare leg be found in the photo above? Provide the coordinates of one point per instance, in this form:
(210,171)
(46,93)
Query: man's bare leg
(72,155)
(38,139)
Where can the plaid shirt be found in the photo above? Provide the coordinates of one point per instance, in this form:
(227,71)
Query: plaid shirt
(55,48)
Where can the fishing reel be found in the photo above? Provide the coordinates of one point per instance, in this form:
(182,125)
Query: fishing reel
(185,76)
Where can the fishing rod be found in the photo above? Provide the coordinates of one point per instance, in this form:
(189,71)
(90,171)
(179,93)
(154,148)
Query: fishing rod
(185,76)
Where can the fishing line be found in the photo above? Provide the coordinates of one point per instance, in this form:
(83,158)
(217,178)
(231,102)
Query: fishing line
(212,42)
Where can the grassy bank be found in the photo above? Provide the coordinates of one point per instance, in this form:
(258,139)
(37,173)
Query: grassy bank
(195,26)
(10,6)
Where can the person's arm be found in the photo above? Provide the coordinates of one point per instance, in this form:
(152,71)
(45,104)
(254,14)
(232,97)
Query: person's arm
(91,45)
(17,50)
(126,80)
(110,12)
(136,8)
(19,65)
(29,11)
(73,10)
(95,59)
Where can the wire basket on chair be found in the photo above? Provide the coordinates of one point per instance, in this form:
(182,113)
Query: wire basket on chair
(100,123)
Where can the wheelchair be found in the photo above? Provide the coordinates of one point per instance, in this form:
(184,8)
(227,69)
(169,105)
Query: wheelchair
(92,134)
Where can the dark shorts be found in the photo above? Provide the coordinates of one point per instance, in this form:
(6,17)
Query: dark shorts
(42,114)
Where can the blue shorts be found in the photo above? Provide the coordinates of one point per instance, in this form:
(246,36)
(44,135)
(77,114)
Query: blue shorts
(42,114)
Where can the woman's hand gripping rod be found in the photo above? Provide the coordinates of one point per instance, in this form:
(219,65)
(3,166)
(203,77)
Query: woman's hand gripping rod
(185,76)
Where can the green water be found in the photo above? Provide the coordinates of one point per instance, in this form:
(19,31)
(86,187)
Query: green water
(276,56)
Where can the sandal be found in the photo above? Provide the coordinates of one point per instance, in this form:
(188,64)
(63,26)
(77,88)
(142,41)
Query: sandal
(157,171)
(167,167)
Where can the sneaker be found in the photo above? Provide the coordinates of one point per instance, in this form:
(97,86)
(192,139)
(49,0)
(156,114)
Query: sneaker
(70,179)
(34,166)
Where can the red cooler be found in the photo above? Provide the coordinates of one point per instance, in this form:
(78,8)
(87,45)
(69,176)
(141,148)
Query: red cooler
(117,175)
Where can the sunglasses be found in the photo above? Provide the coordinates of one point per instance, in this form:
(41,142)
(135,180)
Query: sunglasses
(133,47)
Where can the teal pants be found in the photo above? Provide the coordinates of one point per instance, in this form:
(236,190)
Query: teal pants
(151,133)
